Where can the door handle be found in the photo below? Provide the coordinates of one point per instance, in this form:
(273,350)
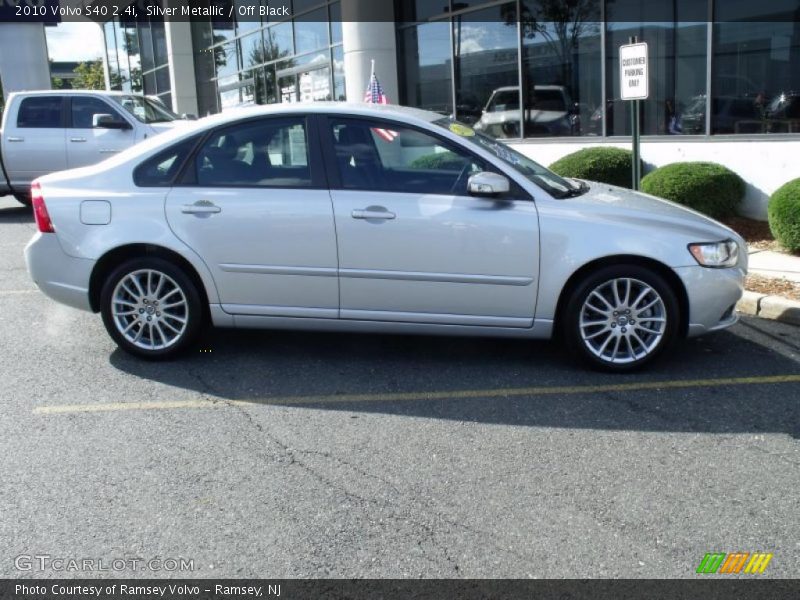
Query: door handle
(77,139)
(203,207)
(16,139)
(372,212)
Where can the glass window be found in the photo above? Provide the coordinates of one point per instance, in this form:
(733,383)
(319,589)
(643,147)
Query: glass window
(225,57)
(162,80)
(375,155)
(336,23)
(487,70)
(161,169)
(252,50)
(40,111)
(146,46)
(159,43)
(339,91)
(561,71)
(755,80)
(534,172)
(244,20)
(145,109)
(410,11)
(84,108)
(278,40)
(267,153)
(311,31)
(425,66)
(676,34)
(223,27)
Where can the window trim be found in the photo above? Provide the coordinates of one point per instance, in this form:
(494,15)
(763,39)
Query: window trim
(187,175)
(63,119)
(71,98)
(517,192)
(197,138)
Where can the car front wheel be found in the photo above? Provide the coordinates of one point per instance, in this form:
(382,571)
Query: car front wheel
(621,317)
(151,308)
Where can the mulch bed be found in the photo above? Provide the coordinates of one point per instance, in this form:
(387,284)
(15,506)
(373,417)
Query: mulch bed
(773,287)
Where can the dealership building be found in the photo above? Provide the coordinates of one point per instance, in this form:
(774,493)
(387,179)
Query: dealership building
(543,75)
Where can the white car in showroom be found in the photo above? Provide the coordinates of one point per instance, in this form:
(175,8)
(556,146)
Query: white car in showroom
(356,217)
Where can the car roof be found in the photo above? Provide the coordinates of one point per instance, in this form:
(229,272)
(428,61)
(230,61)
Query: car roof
(349,108)
(73,91)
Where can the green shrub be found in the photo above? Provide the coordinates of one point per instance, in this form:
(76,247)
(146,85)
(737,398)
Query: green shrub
(605,164)
(439,160)
(706,187)
(784,215)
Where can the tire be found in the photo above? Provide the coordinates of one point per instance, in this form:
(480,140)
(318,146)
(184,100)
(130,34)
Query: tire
(624,332)
(134,312)
(23,198)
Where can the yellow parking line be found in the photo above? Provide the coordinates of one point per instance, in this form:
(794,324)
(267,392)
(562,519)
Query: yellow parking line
(421,396)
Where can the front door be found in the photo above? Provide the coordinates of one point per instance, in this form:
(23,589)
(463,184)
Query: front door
(255,207)
(86,144)
(413,245)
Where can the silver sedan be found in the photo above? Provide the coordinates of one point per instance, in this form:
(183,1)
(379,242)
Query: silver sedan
(367,218)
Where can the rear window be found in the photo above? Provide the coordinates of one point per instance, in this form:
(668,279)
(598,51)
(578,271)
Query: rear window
(161,169)
(40,112)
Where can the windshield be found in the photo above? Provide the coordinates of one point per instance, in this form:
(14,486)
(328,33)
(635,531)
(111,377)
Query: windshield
(553,184)
(145,109)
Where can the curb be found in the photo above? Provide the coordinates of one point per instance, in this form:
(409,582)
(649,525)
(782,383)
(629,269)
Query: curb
(776,308)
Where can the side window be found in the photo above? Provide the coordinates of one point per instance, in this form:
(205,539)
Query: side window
(40,112)
(161,169)
(84,108)
(374,155)
(264,153)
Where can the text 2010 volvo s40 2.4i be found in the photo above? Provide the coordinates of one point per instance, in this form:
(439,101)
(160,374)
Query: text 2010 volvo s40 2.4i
(370,218)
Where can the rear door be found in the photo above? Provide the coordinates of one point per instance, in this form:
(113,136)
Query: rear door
(34,142)
(255,206)
(87,145)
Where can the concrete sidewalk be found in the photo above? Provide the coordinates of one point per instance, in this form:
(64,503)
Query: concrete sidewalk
(774,264)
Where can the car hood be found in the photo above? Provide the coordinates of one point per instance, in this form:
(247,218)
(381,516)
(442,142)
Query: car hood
(636,208)
(536,116)
(168,125)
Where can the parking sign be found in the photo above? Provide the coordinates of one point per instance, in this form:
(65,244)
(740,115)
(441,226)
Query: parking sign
(633,71)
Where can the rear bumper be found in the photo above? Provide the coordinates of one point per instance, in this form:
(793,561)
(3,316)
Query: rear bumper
(712,294)
(62,277)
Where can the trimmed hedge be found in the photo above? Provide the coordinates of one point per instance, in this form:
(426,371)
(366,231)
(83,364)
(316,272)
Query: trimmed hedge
(448,161)
(606,165)
(784,215)
(704,186)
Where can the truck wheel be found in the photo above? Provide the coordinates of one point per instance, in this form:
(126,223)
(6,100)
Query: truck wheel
(23,198)
(151,308)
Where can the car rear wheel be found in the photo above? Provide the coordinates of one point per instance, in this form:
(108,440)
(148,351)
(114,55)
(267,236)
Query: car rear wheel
(621,317)
(151,308)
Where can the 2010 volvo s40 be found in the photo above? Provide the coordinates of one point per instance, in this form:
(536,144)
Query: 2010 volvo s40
(373,219)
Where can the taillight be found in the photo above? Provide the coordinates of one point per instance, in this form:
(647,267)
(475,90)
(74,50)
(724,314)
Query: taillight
(43,221)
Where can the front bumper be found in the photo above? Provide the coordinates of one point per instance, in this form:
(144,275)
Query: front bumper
(62,277)
(712,295)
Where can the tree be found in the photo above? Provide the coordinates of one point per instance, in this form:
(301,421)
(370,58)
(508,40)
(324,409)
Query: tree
(90,76)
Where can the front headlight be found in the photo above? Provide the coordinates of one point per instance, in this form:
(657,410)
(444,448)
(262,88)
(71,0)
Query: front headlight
(716,254)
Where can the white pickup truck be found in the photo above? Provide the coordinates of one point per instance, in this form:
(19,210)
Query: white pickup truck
(47,131)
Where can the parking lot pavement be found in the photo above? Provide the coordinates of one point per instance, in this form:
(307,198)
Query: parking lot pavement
(323,455)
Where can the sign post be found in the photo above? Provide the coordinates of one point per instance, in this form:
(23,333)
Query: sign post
(633,84)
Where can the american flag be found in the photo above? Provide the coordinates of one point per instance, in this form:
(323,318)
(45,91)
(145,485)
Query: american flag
(375,95)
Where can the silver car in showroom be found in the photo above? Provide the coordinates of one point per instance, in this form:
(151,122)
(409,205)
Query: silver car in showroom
(365,218)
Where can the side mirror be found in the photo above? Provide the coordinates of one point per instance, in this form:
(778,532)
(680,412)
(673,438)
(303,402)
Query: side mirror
(488,184)
(103,121)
